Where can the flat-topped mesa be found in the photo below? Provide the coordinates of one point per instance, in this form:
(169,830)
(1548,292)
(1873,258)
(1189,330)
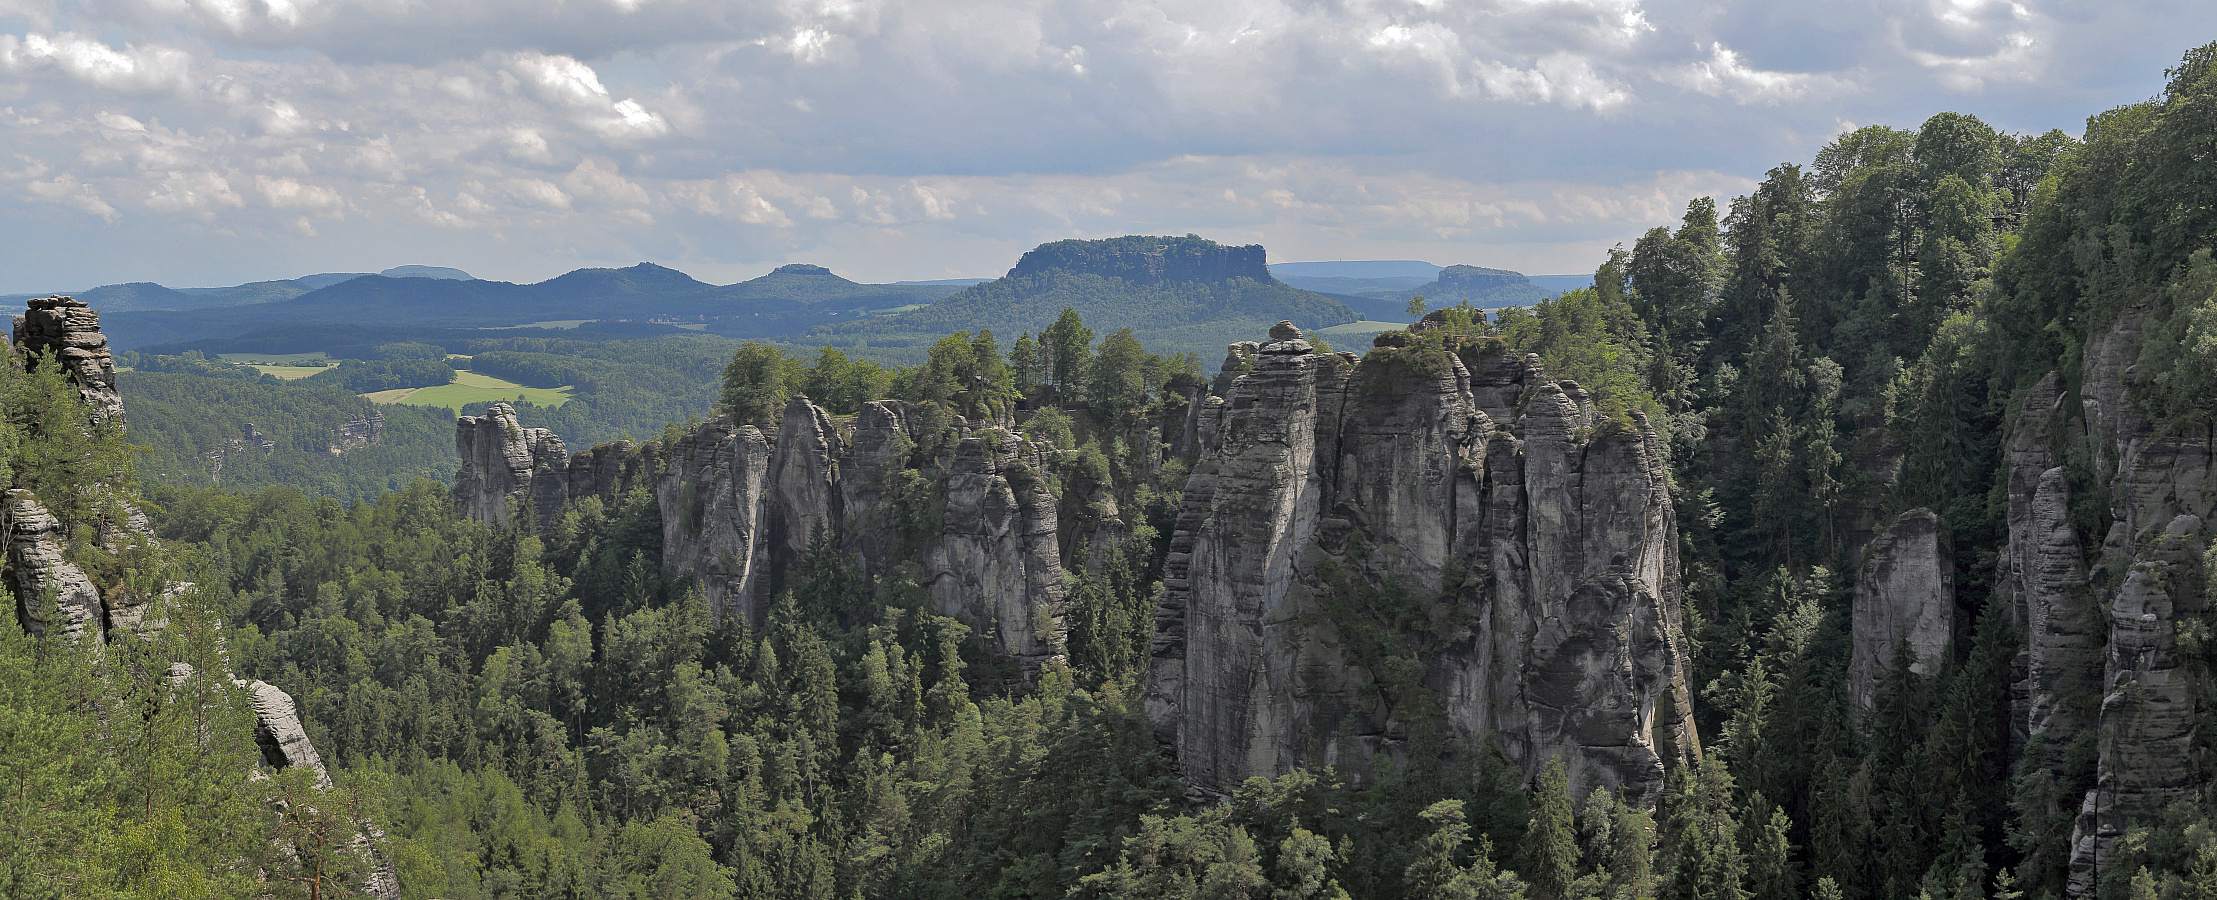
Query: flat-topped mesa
(1149,260)
(1363,548)
(741,507)
(70,331)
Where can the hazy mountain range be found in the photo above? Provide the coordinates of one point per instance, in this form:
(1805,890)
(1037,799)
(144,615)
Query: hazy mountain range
(798,298)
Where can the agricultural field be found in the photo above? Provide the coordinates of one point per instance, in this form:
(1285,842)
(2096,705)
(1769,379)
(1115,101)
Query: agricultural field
(289,373)
(468,388)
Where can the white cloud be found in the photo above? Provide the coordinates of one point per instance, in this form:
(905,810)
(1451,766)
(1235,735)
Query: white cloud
(88,61)
(1723,74)
(288,193)
(573,86)
(874,136)
(201,192)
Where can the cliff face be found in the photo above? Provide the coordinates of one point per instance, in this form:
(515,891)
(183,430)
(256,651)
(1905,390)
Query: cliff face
(2102,620)
(1149,260)
(1904,604)
(1363,547)
(70,330)
(740,508)
(52,594)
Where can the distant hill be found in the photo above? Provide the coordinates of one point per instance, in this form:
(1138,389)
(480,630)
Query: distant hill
(1176,293)
(1358,268)
(427,272)
(1339,284)
(784,302)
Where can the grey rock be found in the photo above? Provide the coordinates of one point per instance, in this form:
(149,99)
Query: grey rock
(2101,638)
(504,463)
(1904,603)
(1542,557)
(354,434)
(740,509)
(277,730)
(70,331)
(51,593)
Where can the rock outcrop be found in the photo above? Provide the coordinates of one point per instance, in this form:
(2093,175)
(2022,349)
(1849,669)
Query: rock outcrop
(51,593)
(1149,260)
(1904,604)
(2101,620)
(354,434)
(740,508)
(1363,546)
(69,331)
(504,462)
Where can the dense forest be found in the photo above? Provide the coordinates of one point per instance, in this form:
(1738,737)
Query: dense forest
(541,710)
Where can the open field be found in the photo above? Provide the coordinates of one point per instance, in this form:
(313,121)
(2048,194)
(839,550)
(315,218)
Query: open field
(468,388)
(289,373)
(309,358)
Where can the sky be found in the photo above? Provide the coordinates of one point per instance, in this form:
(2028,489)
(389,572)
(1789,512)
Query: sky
(215,142)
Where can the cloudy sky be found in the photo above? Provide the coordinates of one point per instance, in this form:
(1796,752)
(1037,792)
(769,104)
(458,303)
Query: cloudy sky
(208,142)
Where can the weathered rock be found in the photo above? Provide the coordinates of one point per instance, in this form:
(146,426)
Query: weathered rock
(740,510)
(51,593)
(1541,558)
(712,486)
(277,730)
(70,331)
(504,462)
(284,744)
(354,434)
(996,561)
(1904,603)
(2120,676)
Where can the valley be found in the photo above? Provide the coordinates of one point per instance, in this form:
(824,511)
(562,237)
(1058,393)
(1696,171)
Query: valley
(1848,538)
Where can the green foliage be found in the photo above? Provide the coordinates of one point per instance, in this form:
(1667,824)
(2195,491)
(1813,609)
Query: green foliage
(182,419)
(357,377)
(754,388)
(1198,316)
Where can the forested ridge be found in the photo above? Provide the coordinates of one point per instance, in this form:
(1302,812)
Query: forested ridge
(543,711)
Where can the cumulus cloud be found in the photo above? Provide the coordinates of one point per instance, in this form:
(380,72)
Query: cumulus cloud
(875,136)
(90,62)
(563,82)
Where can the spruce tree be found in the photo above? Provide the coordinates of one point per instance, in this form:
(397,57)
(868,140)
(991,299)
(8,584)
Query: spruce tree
(1549,855)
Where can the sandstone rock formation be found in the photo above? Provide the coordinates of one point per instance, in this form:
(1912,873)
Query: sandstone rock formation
(1142,260)
(354,434)
(284,744)
(70,331)
(1363,545)
(1904,603)
(740,508)
(51,593)
(503,462)
(2101,612)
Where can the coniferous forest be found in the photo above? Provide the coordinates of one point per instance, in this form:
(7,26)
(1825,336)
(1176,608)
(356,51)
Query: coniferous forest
(1946,324)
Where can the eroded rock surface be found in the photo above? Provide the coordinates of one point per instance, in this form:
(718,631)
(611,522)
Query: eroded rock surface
(740,508)
(2101,612)
(51,593)
(504,462)
(1904,604)
(1537,553)
(70,331)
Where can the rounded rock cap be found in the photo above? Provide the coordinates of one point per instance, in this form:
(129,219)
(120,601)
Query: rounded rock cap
(1284,331)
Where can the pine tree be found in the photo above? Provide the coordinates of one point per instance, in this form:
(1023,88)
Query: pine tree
(1550,850)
